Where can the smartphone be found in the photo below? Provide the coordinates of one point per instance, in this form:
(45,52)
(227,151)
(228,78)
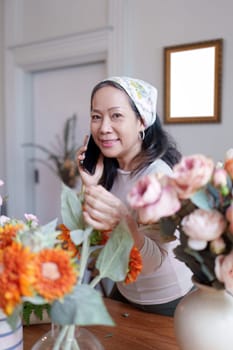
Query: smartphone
(91,156)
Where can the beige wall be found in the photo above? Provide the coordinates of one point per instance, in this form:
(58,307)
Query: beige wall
(159,23)
(34,20)
(151,25)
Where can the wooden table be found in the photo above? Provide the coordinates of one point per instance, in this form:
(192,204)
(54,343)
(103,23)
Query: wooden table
(134,330)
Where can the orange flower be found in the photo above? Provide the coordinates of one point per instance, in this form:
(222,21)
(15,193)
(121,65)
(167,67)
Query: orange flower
(228,166)
(67,243)
(8,233)
(55,274)
(105,236)
(16,276)
(135,265)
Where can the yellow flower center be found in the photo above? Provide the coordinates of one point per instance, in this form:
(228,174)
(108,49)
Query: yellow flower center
(50,271)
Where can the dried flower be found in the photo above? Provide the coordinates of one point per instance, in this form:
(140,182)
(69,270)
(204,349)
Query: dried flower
(62,164)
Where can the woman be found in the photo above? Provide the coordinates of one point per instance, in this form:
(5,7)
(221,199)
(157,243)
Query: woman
(127,141)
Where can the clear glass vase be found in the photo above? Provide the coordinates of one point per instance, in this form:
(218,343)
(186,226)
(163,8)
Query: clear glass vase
(81,339)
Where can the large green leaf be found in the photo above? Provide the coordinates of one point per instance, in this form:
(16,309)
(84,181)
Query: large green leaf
(113,260)
(83,307)
(71,209)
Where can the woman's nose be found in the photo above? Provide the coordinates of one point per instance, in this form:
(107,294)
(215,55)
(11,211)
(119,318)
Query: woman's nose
(106,125)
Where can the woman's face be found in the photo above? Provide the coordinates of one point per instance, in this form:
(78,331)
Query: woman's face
(115,126)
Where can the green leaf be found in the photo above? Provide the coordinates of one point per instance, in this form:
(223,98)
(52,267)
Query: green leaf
(200,199)
(39,237)
(113,260)
(50,227)
(83,307)
(78,236)
(71,209)
(38,310)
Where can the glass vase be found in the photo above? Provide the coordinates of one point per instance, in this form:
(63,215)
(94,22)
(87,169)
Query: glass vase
(81,339)
(204,318)
(10,338)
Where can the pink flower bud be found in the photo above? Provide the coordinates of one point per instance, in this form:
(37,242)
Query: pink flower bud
(220,177)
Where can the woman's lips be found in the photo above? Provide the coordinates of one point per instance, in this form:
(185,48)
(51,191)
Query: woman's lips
(108,143)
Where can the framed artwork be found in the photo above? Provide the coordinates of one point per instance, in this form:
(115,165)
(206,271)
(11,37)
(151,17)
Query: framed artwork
(193,74)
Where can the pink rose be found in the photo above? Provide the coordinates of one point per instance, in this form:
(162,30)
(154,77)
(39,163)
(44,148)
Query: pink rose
(229,216)
(153,198)
(204,225)
(191,174)
(224,270)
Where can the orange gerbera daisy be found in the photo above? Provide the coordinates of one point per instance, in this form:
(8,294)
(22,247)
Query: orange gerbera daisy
(67,243)
(55,273)
(8,233)
(135,265)
(16,276)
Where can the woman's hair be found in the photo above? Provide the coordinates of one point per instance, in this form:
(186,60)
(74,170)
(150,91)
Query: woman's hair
(156,144)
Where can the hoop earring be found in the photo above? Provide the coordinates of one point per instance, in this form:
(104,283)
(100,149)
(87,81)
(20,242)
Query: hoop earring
(141,135)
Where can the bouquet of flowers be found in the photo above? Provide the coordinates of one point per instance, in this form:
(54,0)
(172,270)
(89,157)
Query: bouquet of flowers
(196,203)
(44,265)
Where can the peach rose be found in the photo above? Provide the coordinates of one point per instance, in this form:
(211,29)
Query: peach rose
(192,173)
(153,198)
(224,270)
(204,225)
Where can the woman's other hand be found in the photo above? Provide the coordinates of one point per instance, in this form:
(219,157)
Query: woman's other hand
(102,210)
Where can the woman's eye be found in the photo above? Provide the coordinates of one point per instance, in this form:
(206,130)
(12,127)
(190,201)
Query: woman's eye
(116,115)
(95,117)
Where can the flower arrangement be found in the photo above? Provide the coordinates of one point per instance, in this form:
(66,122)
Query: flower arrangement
(43,265)
(195,202)
(62,164)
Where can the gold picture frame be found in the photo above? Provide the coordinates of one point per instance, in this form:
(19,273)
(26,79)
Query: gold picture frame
(193,74)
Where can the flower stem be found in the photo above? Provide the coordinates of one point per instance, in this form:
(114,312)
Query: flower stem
(61,336)
(95,281)
(70,337)
(84,257)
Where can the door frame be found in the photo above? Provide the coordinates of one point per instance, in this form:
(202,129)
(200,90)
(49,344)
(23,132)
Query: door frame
(21,61)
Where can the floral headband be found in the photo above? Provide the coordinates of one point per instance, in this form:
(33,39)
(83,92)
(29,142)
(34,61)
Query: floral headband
(143,95)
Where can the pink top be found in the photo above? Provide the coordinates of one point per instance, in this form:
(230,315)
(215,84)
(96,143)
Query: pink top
(164,278)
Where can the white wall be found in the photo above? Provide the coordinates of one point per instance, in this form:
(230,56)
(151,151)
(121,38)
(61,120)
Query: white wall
(33,20)
(156,24)
(151,25)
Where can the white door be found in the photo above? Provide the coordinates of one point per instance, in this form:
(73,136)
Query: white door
(57,95)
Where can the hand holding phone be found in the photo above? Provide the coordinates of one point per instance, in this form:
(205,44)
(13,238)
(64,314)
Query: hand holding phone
(90,162)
